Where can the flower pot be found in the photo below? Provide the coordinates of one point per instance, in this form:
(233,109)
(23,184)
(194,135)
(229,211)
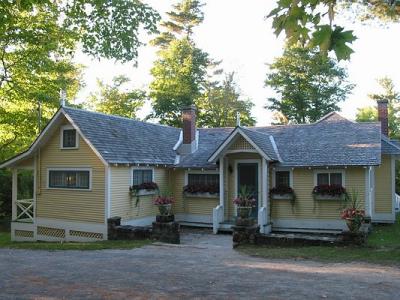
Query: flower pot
(244,211)
(165,209)
(353,225)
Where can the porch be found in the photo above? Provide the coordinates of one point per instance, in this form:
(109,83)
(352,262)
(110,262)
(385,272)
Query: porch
(237,170)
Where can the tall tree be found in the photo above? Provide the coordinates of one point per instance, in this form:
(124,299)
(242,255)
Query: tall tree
(112,99)
(180,71)
(220,104)
(309,85)
(37,41)
(389,93)
(311,22)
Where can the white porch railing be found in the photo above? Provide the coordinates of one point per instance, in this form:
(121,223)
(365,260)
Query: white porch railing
(397,203)
(25,210)
(218,217)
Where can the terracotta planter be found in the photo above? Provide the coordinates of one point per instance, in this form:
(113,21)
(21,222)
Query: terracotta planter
(353,225)
(244,211)
(165,209)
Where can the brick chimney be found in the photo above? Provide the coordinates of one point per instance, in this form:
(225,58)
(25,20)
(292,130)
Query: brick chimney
(383,116)
(189,143)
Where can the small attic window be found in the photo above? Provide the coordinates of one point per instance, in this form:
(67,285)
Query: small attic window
(69,138)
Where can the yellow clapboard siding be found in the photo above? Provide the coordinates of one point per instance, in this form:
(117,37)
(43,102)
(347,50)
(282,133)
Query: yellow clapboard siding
(189,205)
(383,186)
(121,203)
(75,205)
(305,207)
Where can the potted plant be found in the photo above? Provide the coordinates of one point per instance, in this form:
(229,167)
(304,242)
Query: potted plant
(245,202)
(352,214)
(329,192)
(201,190)
(282,193)
(164,204)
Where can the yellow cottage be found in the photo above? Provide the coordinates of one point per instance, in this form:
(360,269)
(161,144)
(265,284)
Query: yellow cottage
(78,172)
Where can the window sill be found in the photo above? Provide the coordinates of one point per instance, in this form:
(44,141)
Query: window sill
(328,198)
(69,148)
(69,189)
(145,192)
(282,196)
(201,195)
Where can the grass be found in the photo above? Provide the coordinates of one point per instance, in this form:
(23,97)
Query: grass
(383,247)
(5,242)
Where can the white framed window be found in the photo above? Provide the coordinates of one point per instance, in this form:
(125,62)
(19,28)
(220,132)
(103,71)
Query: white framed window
(329,177)
(69,178)
(202,177)
(69,138)
(142,175)
(282,177)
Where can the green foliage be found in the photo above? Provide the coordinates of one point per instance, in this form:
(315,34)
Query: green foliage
(34,66)
(309,85)
(37,41)
(178,77)
(220,103)
(109,28)
(110,99)
(180,71)
(370,114)
(5,193)
(310,22)
(185,15)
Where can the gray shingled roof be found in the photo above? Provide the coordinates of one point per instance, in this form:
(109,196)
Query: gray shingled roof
(333,141)
(123,140)
(263,141)
(209,140)
(390,146)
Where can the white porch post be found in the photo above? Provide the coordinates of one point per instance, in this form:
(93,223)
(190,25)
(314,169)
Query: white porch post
(14,194)
(221,181)
(218,212)
(263,215)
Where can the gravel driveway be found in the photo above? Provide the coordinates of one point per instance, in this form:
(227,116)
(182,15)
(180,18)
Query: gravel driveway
(205,266)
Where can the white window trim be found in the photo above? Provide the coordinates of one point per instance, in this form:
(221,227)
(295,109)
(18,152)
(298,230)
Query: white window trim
(316,172)
(69,169)
(290,170)
(205,172)
(141,169)
(68,127)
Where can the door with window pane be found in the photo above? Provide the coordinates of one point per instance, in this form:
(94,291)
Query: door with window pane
(248,176)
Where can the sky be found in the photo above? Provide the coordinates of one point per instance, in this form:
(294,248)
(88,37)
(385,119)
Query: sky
(236,32)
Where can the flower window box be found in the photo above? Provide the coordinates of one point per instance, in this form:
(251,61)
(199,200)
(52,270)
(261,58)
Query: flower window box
(201,191)
(282,193)
(329,192)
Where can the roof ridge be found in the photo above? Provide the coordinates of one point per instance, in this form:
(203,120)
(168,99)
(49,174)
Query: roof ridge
(118,117)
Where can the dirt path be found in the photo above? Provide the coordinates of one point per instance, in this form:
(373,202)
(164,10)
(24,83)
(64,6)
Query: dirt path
(205,266)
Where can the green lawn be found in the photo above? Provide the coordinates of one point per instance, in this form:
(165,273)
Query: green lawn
(5,242)
(383,248)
